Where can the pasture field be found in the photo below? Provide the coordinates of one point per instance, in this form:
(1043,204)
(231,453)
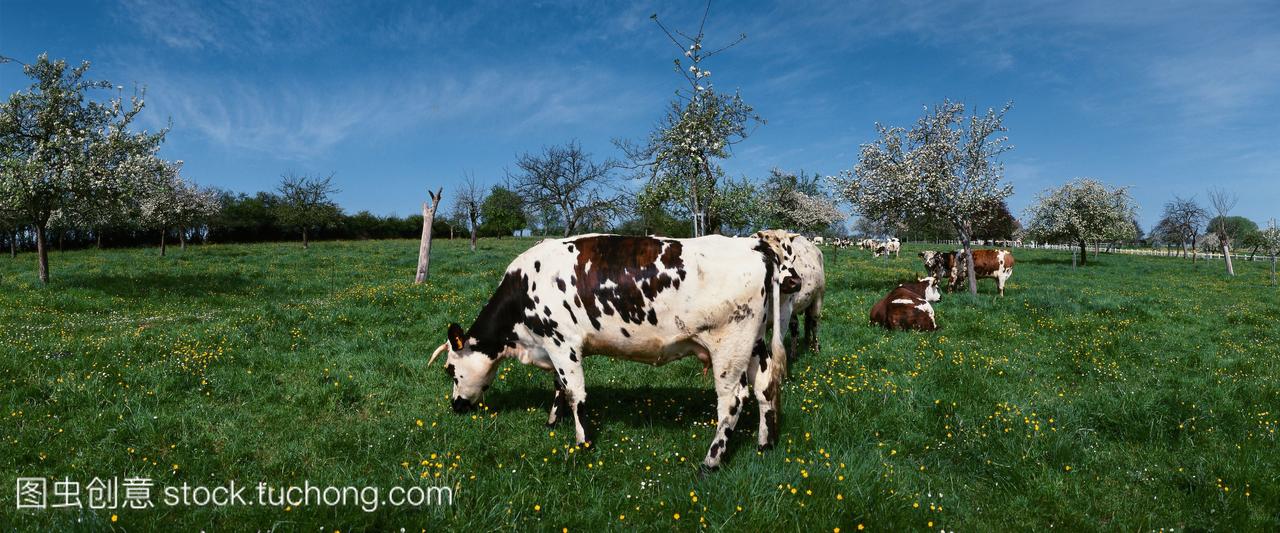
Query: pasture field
(1137,393)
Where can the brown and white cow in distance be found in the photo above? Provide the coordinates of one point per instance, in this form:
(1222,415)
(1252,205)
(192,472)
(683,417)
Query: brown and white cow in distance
(646,299)
(907,307)
(995,264)
(891,246)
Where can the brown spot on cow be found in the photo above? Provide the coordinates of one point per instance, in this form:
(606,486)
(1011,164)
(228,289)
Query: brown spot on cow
(622,274)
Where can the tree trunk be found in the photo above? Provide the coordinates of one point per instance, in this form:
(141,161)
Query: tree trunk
(305,244)
(163,233)
(968,254)
(182,239)
(1226,254)
(1084,253)
(1194,251)
(424,248)
(43,254)
(98,237)
(1273,268)
(473,236)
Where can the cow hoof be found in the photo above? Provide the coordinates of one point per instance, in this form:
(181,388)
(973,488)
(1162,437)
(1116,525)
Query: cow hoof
(706,470)
(764,447)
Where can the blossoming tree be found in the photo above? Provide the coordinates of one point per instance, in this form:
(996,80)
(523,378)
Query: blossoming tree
(947,164)
(1269,242)
(797,202)
(1082,211)
(172,202)
(60,150)
(700,127)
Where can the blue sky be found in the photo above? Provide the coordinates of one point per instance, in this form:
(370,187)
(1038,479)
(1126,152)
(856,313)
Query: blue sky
(1165,97)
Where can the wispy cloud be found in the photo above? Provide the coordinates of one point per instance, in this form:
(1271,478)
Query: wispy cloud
(294,120)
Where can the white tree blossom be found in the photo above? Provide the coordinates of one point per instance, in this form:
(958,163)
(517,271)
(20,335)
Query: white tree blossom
(173,202)
(1082,211)
(946,165)
(61,151)
(1269,239)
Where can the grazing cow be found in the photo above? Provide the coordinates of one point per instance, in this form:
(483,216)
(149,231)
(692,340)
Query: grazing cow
(818,241)
(891,246)
(807,263)
(868,244)
(907,306)
(646,299)
(995,264)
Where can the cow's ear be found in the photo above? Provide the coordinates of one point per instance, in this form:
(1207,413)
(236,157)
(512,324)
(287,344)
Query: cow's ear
(457,338)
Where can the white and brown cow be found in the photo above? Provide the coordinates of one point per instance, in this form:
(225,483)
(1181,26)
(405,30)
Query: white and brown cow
(646,299)
(907,307)
(891,246)
(806,263)
(995,264)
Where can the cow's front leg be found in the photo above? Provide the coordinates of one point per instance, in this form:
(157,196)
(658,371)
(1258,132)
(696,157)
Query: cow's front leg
(731,392)
(558,404)
(568,368)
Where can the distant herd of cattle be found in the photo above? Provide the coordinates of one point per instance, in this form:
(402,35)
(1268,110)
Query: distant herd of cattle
(654,300)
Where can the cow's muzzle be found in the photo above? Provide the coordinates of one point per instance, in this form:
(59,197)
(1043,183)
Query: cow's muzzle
(462,405)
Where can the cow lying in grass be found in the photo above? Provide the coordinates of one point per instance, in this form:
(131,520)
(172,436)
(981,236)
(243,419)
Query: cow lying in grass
(646,299)
(907,307)
(995,264)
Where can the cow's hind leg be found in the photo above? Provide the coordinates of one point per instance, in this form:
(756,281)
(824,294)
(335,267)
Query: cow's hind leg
(793,329)
(767,387)
(731,392)
(811,319)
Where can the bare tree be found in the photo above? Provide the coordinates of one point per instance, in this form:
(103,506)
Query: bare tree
(1185,216)
(424,249)
(305,202)
(567,180)
(467,199)
(1222,203)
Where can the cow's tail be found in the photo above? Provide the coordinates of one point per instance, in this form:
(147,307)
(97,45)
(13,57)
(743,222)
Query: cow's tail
(779,351)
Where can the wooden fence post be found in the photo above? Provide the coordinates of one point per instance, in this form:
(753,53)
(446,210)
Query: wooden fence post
(424,248)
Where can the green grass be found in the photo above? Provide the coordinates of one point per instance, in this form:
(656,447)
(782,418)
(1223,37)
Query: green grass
(1133,394)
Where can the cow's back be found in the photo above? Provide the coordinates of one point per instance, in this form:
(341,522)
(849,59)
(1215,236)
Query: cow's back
(644,298)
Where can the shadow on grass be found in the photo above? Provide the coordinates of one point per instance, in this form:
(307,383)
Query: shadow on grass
(641,406)
(153,284)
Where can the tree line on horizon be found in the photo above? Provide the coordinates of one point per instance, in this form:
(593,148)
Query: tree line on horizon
(75,172)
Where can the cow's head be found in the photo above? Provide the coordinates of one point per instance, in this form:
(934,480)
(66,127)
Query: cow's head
(934,263)
(472,370)
(931,292)
(781,243)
